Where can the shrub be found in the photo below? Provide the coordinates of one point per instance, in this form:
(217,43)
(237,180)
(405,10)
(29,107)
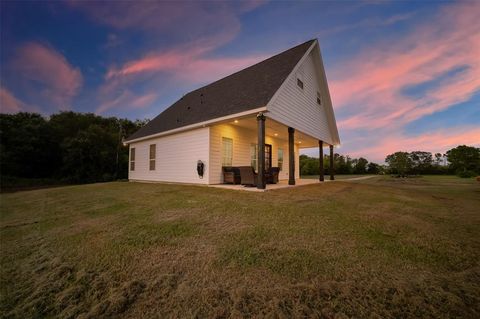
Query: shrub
(466,174)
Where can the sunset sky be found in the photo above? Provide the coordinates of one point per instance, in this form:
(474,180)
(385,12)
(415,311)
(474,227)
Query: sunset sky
(402,75)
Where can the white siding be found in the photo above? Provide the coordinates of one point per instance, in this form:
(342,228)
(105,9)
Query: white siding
(242,139)
(298,108)
(176,157)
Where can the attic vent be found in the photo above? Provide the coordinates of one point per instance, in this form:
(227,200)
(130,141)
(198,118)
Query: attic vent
(300,83)
(319,98)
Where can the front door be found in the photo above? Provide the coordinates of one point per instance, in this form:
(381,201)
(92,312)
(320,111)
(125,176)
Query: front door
(268,157)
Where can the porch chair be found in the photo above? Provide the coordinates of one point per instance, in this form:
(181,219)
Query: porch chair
(272,176)
(231,175)
(248,177)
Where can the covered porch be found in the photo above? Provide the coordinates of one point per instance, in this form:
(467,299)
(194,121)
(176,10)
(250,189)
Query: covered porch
(263,143)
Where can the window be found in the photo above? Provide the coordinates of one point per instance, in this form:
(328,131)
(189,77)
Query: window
(227,151)
(280,159)
(300,83)
(319,98)
(153,151)
(253,156)
(132,159)
(268,157)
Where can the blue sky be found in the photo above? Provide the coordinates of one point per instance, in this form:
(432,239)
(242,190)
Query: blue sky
(403,75)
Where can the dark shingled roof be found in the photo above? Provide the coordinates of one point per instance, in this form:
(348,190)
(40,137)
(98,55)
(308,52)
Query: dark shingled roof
(245,90)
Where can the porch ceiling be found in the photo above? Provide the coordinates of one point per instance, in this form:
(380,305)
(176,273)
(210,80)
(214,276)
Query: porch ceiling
(275,129)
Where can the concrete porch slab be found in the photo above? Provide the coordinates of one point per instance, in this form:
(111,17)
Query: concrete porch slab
(281,184)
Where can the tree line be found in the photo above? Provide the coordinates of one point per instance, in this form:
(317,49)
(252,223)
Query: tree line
(342,165)
(68,146)
(462,160)
(72,147)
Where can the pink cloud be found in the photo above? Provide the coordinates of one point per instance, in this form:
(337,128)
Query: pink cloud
(150,63)
(46,74)
(207,23)
(375,79)
(189,65)
(144,100)
(196,28)
(9,103)
(369,89)
(438,141)
(127,99)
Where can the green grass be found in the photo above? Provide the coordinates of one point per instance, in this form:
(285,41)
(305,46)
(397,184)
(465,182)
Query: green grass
(380,247)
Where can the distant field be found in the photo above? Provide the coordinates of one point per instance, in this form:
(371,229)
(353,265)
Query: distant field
(337,177)
(379,247)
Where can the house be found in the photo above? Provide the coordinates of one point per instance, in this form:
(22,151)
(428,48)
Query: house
(260,116)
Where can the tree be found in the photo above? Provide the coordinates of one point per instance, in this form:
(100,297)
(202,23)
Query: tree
(421,162)
(78,147)
(89,156)
(399,163)
(26,146)
(360,166)
(373,168)
(309,165)
(342,165)
(326,164)
(464,160)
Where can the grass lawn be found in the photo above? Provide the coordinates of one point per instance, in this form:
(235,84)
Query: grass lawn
(379,247)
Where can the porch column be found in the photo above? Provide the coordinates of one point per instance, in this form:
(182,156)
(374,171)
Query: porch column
(291,156)
(261,151)
(332,177)
(320,159)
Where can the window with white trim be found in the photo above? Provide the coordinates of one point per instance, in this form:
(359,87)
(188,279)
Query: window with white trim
(132,158)
(280,159)
(253,156)
(227,151)
(153,151)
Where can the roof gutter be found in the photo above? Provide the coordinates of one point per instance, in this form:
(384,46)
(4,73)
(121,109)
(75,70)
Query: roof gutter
(198,125)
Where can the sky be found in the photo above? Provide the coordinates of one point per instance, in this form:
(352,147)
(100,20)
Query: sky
(403,75)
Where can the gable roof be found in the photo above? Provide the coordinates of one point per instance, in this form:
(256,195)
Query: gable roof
(245,90)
